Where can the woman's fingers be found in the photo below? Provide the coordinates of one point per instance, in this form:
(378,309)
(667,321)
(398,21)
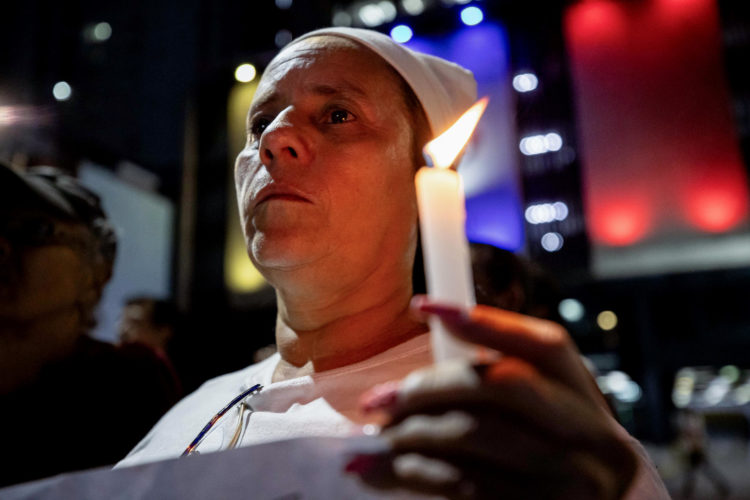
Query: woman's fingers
(517,391)
(544,344)
(578,477)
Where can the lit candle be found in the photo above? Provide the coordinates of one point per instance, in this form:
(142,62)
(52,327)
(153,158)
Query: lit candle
(442,215)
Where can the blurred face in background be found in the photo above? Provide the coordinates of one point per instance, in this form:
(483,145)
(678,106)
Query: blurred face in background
(137,326)
(327,171)
(45,266)
(47,291)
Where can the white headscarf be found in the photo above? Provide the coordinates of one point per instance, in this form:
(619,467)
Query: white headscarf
(444,89)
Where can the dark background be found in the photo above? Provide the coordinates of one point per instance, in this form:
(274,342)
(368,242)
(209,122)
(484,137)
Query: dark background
(155,94)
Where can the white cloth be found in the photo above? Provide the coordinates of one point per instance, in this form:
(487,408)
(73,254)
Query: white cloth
(444,89)
(324,404)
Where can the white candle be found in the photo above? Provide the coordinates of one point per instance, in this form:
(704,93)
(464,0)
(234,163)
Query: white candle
(442,214)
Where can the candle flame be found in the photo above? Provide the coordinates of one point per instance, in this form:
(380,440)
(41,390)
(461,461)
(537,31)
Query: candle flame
(444,149)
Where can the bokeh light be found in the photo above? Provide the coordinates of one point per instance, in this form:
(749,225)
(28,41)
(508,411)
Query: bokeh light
(102,32)
(552,242)
(539,144)
(401,33)
(62,91)
(607,320)
(471,16)
(546,212)
(571,310)
(525,82)
(413,7)
(282,38)
(245,73)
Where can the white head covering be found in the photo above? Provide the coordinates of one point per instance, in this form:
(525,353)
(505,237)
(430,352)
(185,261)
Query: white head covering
(444,89)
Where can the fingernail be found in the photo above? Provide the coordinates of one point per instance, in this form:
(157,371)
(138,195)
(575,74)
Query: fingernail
(380,397)
(446,312)
(361,464)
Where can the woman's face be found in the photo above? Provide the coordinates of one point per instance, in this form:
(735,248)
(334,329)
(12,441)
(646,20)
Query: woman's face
(327,171)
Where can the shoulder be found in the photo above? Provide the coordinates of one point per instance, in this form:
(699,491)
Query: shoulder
(179,426)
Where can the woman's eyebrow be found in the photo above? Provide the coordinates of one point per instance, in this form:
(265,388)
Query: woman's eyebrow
(339,88)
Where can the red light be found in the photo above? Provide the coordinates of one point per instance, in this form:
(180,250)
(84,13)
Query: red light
(716,207)
(620,223)
(595,19)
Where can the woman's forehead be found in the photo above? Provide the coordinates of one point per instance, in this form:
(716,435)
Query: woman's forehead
(321,48)
(327,58)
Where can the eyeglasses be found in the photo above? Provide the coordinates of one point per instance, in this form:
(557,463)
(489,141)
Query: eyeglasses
(241,408)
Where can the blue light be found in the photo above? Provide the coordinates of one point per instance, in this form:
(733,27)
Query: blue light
(401,33)
(472,16)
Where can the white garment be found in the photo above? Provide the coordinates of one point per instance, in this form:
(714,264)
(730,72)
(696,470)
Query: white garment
(323,404)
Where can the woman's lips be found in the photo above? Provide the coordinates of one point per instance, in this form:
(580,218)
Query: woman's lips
(274,192)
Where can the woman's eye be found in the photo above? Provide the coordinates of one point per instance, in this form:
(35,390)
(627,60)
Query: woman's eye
(340,116)
(258,126)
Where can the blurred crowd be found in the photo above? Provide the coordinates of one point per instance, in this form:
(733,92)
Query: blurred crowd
(70,402)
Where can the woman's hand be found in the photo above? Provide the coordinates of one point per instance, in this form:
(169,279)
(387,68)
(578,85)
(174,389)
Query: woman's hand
(532,424)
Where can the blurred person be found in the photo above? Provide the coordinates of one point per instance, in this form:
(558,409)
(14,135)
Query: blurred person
(691,426)
(326,195)
(149,321)
(504,280)
(57,251)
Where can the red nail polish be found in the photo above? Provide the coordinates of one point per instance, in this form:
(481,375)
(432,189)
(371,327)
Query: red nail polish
(380,397)
(361,464)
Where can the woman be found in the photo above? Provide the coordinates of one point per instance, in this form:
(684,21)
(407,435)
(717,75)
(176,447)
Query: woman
(326,196)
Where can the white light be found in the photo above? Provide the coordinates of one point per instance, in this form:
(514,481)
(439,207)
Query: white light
(617,381)
(471,16)
(371,15)
(571,310)
(539,144)
(525,82)
(530,214)
(401,33)
(341,18)
(102,32)
(533,145)
(553,141)
(389,11)
(245,73)
(546,212)
(717,389)
(552,242)
(413,7)
(606,320)
(461,2)
(731,373)
(282,38)
(742,394)
(631,393)
(283,4)
(62,91)
(561,210)
(683,387)
(7,115)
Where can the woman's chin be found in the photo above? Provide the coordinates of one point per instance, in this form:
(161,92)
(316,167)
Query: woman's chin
(281,252)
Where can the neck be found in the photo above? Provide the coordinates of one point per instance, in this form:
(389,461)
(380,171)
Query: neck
(321,332)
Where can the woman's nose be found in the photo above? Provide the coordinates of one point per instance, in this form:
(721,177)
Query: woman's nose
(284,141)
